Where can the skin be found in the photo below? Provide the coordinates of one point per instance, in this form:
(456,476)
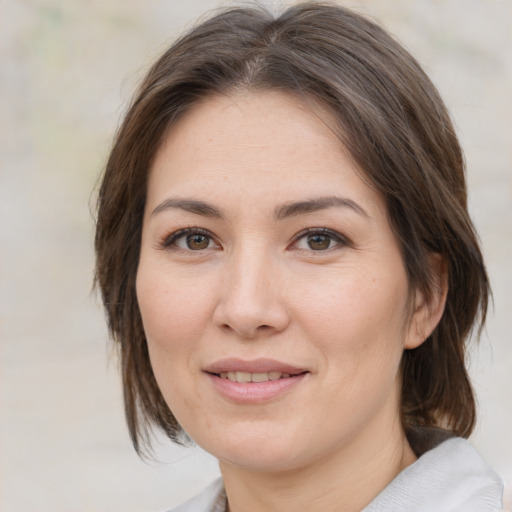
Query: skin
(250,285)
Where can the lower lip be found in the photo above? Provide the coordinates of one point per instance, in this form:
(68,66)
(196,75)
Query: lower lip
(255,392)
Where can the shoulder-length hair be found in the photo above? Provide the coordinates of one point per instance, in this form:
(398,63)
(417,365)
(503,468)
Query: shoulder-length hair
(393,122)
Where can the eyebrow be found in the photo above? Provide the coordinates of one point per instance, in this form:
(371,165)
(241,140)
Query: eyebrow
(287,210)
(189,205)
(318,203)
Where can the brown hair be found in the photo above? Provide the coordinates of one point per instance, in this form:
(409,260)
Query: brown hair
(398,132)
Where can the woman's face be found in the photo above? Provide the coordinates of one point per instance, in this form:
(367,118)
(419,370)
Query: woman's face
(272,290)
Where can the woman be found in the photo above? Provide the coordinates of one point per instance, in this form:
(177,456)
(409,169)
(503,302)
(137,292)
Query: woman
(289,268)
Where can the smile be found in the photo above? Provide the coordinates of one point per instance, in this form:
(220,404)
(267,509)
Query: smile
(253,377)
(254,382)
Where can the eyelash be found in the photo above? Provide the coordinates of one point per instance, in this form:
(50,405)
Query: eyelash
(170,241)
(336,237)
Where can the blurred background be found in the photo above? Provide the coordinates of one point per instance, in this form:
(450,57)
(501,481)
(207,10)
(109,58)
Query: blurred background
(68,69)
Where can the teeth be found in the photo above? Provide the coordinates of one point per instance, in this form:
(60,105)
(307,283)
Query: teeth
(243,377)
(260,377)
(253,377)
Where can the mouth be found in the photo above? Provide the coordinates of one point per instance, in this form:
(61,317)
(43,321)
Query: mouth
(255,377)
(256,370)
(255,381)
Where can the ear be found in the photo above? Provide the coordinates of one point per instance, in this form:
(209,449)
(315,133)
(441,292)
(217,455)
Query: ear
(428,312)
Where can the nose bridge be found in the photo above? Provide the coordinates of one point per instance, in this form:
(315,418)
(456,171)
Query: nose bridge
(251,277)
(250,302)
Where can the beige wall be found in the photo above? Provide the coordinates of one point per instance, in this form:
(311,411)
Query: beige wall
(68,68)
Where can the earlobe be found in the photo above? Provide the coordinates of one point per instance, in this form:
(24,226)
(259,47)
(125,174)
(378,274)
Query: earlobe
(429,310)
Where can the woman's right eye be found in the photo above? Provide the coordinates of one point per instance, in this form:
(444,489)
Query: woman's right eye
(190,240)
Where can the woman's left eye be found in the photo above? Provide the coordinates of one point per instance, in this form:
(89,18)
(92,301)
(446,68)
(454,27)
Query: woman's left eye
(318,240)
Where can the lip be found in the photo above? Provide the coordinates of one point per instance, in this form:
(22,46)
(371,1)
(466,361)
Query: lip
(254,392)
(254,366)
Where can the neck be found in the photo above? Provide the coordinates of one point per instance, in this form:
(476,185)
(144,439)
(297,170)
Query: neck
(345,481)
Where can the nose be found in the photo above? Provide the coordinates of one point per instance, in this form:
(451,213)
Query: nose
(251,302)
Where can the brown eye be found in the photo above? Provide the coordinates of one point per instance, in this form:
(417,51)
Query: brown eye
(319,239)
(319,242)
(197,241)
(190,239)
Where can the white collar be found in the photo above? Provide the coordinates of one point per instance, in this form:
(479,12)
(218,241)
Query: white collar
(451,477)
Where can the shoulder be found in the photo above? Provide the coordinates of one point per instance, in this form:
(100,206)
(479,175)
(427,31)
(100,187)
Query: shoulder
(451,477)
(212,499)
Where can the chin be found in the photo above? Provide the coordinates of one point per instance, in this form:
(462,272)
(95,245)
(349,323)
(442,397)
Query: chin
(260,451)
(261,459)
(239,444)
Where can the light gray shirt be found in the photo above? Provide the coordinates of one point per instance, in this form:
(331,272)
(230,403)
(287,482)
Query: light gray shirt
(452,477)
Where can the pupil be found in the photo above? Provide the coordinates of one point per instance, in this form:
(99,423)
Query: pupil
(196,242)
(318,242)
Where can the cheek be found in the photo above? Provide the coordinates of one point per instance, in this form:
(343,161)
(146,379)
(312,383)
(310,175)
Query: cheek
(174,315)
(357,318)
(173,312)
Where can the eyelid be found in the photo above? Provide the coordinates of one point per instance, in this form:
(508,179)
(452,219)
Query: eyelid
(334,235)
(169,241)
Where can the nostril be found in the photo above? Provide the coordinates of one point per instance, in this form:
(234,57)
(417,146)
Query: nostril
(246,331)
(251,317)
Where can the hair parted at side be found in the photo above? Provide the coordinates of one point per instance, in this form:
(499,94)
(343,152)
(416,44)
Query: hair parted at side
(396,128)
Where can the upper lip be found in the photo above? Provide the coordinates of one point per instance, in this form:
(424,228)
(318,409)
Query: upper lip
(253,366)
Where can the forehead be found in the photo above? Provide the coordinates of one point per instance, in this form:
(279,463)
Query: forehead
(271,145)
